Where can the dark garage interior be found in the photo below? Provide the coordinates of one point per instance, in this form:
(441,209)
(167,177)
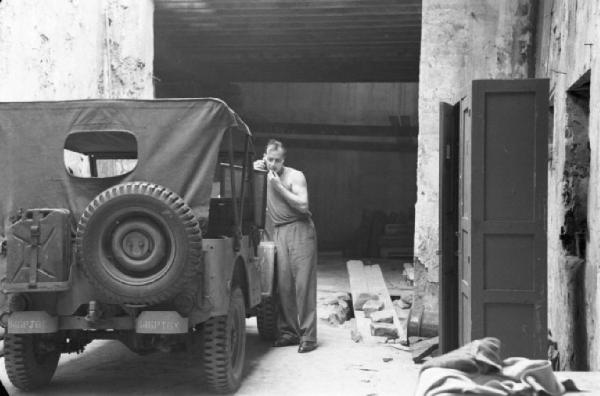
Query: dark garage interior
(336,81)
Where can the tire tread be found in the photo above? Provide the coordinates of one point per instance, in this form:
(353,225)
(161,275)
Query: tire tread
(22,369)
(215,358)
(176,204)
(266,319)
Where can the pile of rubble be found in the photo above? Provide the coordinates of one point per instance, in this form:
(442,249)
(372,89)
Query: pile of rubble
(336,310)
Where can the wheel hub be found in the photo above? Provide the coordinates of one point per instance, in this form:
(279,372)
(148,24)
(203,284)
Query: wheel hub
(138,245)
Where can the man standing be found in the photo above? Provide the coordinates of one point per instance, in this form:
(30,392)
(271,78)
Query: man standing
(296,243)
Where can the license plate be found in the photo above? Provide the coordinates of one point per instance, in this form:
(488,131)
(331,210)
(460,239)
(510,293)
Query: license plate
(161,322)
(32,322)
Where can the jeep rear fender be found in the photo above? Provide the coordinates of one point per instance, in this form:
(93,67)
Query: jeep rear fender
(267,263)
(222,265)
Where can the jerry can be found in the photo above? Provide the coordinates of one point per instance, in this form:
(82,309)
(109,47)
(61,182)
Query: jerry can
(39,251)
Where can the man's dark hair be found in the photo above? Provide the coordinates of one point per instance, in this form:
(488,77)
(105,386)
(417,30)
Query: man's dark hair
(274,145)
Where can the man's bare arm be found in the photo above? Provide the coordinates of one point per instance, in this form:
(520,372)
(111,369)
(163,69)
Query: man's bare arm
(298,196)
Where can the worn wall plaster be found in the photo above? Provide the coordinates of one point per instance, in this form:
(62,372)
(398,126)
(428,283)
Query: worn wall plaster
(66,49)
(461,40)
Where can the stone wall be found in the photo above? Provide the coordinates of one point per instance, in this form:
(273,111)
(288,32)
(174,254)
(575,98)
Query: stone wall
(568,47)
(76,49)
(461,40)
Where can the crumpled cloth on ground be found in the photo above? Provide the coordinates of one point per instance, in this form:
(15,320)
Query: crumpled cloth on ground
(477,369)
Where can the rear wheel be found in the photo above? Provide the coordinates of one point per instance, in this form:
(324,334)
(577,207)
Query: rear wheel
(224,346)
(266,319)
(30,360)
(139,243)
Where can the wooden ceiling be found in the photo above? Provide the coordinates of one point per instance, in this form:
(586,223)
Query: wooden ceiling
(287,40)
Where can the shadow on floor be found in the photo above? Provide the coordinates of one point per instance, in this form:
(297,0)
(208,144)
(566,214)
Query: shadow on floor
(108,367)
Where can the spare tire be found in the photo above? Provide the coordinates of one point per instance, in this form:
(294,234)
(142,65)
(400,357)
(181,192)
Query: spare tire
(138,243)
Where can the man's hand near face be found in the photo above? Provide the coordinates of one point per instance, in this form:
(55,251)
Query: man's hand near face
(260,165)
(275,180)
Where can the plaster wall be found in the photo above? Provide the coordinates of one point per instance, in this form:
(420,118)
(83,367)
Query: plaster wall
(568,47)
(461,40)
(76,49)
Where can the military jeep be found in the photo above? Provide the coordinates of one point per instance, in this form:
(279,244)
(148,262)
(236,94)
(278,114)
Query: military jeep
(132,220)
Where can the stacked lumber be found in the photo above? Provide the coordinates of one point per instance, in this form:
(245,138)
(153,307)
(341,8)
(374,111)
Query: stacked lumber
(397,240)
(381,234)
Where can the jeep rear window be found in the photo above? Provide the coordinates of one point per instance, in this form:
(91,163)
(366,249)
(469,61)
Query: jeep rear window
(100,154)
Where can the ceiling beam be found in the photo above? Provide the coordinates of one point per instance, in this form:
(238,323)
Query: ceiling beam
(332,131)
(297,72)
(409,145)
(288,40)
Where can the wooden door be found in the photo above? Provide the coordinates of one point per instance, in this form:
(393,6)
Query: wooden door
(464,222)
(503,215)
(448,270)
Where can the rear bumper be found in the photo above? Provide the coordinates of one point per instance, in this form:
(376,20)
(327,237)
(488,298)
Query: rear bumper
(147,322)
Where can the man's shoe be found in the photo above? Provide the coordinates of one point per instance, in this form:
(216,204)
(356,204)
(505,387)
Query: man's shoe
(285,341)
(307,346)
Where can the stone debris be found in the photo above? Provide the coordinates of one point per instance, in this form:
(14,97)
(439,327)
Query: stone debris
(334,314)
(354,333)
(387,359)
(407,299)
(338,314)
(384,330)
(371,306)
(339,297)
(362,299)
(336,310)
(409,270)
(402,304)
(382,317)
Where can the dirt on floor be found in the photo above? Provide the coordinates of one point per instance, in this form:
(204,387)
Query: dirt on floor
(338,367)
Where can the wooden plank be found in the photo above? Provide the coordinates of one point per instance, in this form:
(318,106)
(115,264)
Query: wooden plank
(313,72)
(424,348)
(376,285)
(396,252)
(393,29)
(354,333)
(587,381)
(359,291)
(409,17)
(363,325)
(358,284)
(366,282)
(297,3)
(311,130)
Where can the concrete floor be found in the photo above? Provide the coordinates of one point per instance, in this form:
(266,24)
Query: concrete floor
(338,367)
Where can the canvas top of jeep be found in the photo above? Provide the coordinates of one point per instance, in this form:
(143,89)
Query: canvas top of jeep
(136,234)
(177,144)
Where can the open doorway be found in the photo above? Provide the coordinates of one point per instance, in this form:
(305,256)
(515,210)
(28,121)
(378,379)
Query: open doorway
(337,83)
(580,274)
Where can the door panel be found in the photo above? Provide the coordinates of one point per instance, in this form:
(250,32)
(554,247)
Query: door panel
(504,215)
(448,272)
(464,256)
